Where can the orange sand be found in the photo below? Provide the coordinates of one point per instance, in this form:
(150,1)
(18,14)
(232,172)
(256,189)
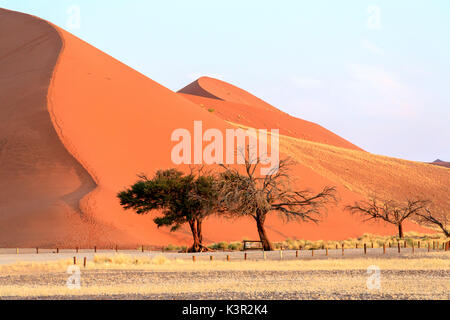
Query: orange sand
(80,125)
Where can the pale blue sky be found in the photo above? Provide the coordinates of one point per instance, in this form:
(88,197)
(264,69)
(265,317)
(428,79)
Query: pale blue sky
(375,72)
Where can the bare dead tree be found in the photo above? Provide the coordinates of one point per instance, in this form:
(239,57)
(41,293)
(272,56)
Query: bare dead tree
(255,195)
(389,211)
(436,217)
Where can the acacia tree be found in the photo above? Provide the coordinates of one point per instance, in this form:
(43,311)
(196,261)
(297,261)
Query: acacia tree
(389,211)
(435,217)
(257,196)
(183,199)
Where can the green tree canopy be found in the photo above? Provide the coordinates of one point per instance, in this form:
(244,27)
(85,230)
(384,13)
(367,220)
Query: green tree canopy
(183,198)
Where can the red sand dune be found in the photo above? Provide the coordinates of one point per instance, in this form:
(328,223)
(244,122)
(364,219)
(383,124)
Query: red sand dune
(79,125)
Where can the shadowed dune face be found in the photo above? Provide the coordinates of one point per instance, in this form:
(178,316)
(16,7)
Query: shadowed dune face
(40,182)
(213,88)
(194,88)
(78,126)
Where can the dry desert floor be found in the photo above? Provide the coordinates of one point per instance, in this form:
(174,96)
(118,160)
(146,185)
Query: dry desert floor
(151,275)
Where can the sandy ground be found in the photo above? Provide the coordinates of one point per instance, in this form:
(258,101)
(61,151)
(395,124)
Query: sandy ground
(323,284)
(421,275)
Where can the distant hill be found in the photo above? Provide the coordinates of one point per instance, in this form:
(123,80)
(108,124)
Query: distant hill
(439,162)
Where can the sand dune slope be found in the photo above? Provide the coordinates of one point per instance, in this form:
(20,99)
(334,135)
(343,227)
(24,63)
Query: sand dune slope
(40,182)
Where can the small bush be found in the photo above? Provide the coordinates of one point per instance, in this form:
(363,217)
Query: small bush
(219,246)
(235,246)
(172,247)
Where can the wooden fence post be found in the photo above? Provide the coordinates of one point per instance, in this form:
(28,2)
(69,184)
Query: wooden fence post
(37,250)
(95,248)
(228,257)
(84,262)
(74,260)
(211,258)
(312,252)
(365,249)
(245,256)
(398,247)
(326,251)
(193,258)
(296,253)
(342,249)
(384,248)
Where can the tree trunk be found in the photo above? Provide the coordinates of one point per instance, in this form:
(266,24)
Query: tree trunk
(267,246)
(196,246)
(199,231)
(400,231)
